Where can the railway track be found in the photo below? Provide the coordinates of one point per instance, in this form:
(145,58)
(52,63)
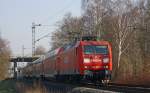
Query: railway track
(115,87)
(120,88)
(112,87)
(129,89)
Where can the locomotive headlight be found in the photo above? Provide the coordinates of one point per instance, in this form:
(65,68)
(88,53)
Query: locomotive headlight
(105,60)
(106,67)
(86,60)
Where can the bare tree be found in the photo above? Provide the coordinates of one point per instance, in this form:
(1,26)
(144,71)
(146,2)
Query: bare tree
(68,29)
(95,11)
(40,50)
(4,58)
(123,24)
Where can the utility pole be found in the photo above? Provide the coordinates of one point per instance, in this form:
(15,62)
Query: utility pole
(23,48)
(33,37)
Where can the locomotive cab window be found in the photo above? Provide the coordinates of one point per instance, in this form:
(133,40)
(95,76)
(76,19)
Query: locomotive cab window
(95,49)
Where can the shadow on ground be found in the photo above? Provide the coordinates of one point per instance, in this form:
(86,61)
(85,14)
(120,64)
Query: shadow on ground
(36,86)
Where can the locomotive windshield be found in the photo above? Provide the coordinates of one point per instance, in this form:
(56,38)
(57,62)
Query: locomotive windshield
(95,49)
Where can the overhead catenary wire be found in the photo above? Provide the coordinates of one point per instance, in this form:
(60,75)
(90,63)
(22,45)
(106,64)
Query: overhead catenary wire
(61,10)
(47,35)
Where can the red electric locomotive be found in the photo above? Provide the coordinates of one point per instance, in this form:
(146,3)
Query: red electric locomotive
(86,59)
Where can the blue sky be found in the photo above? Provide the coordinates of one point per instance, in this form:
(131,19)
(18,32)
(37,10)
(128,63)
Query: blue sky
(16,17)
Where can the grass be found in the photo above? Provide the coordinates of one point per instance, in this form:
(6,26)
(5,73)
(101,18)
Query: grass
(7,86)
(24,86)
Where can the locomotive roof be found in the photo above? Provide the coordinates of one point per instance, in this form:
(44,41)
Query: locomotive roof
(94,42)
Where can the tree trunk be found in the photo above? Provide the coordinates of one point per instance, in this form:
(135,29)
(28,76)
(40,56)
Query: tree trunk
(119,53)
